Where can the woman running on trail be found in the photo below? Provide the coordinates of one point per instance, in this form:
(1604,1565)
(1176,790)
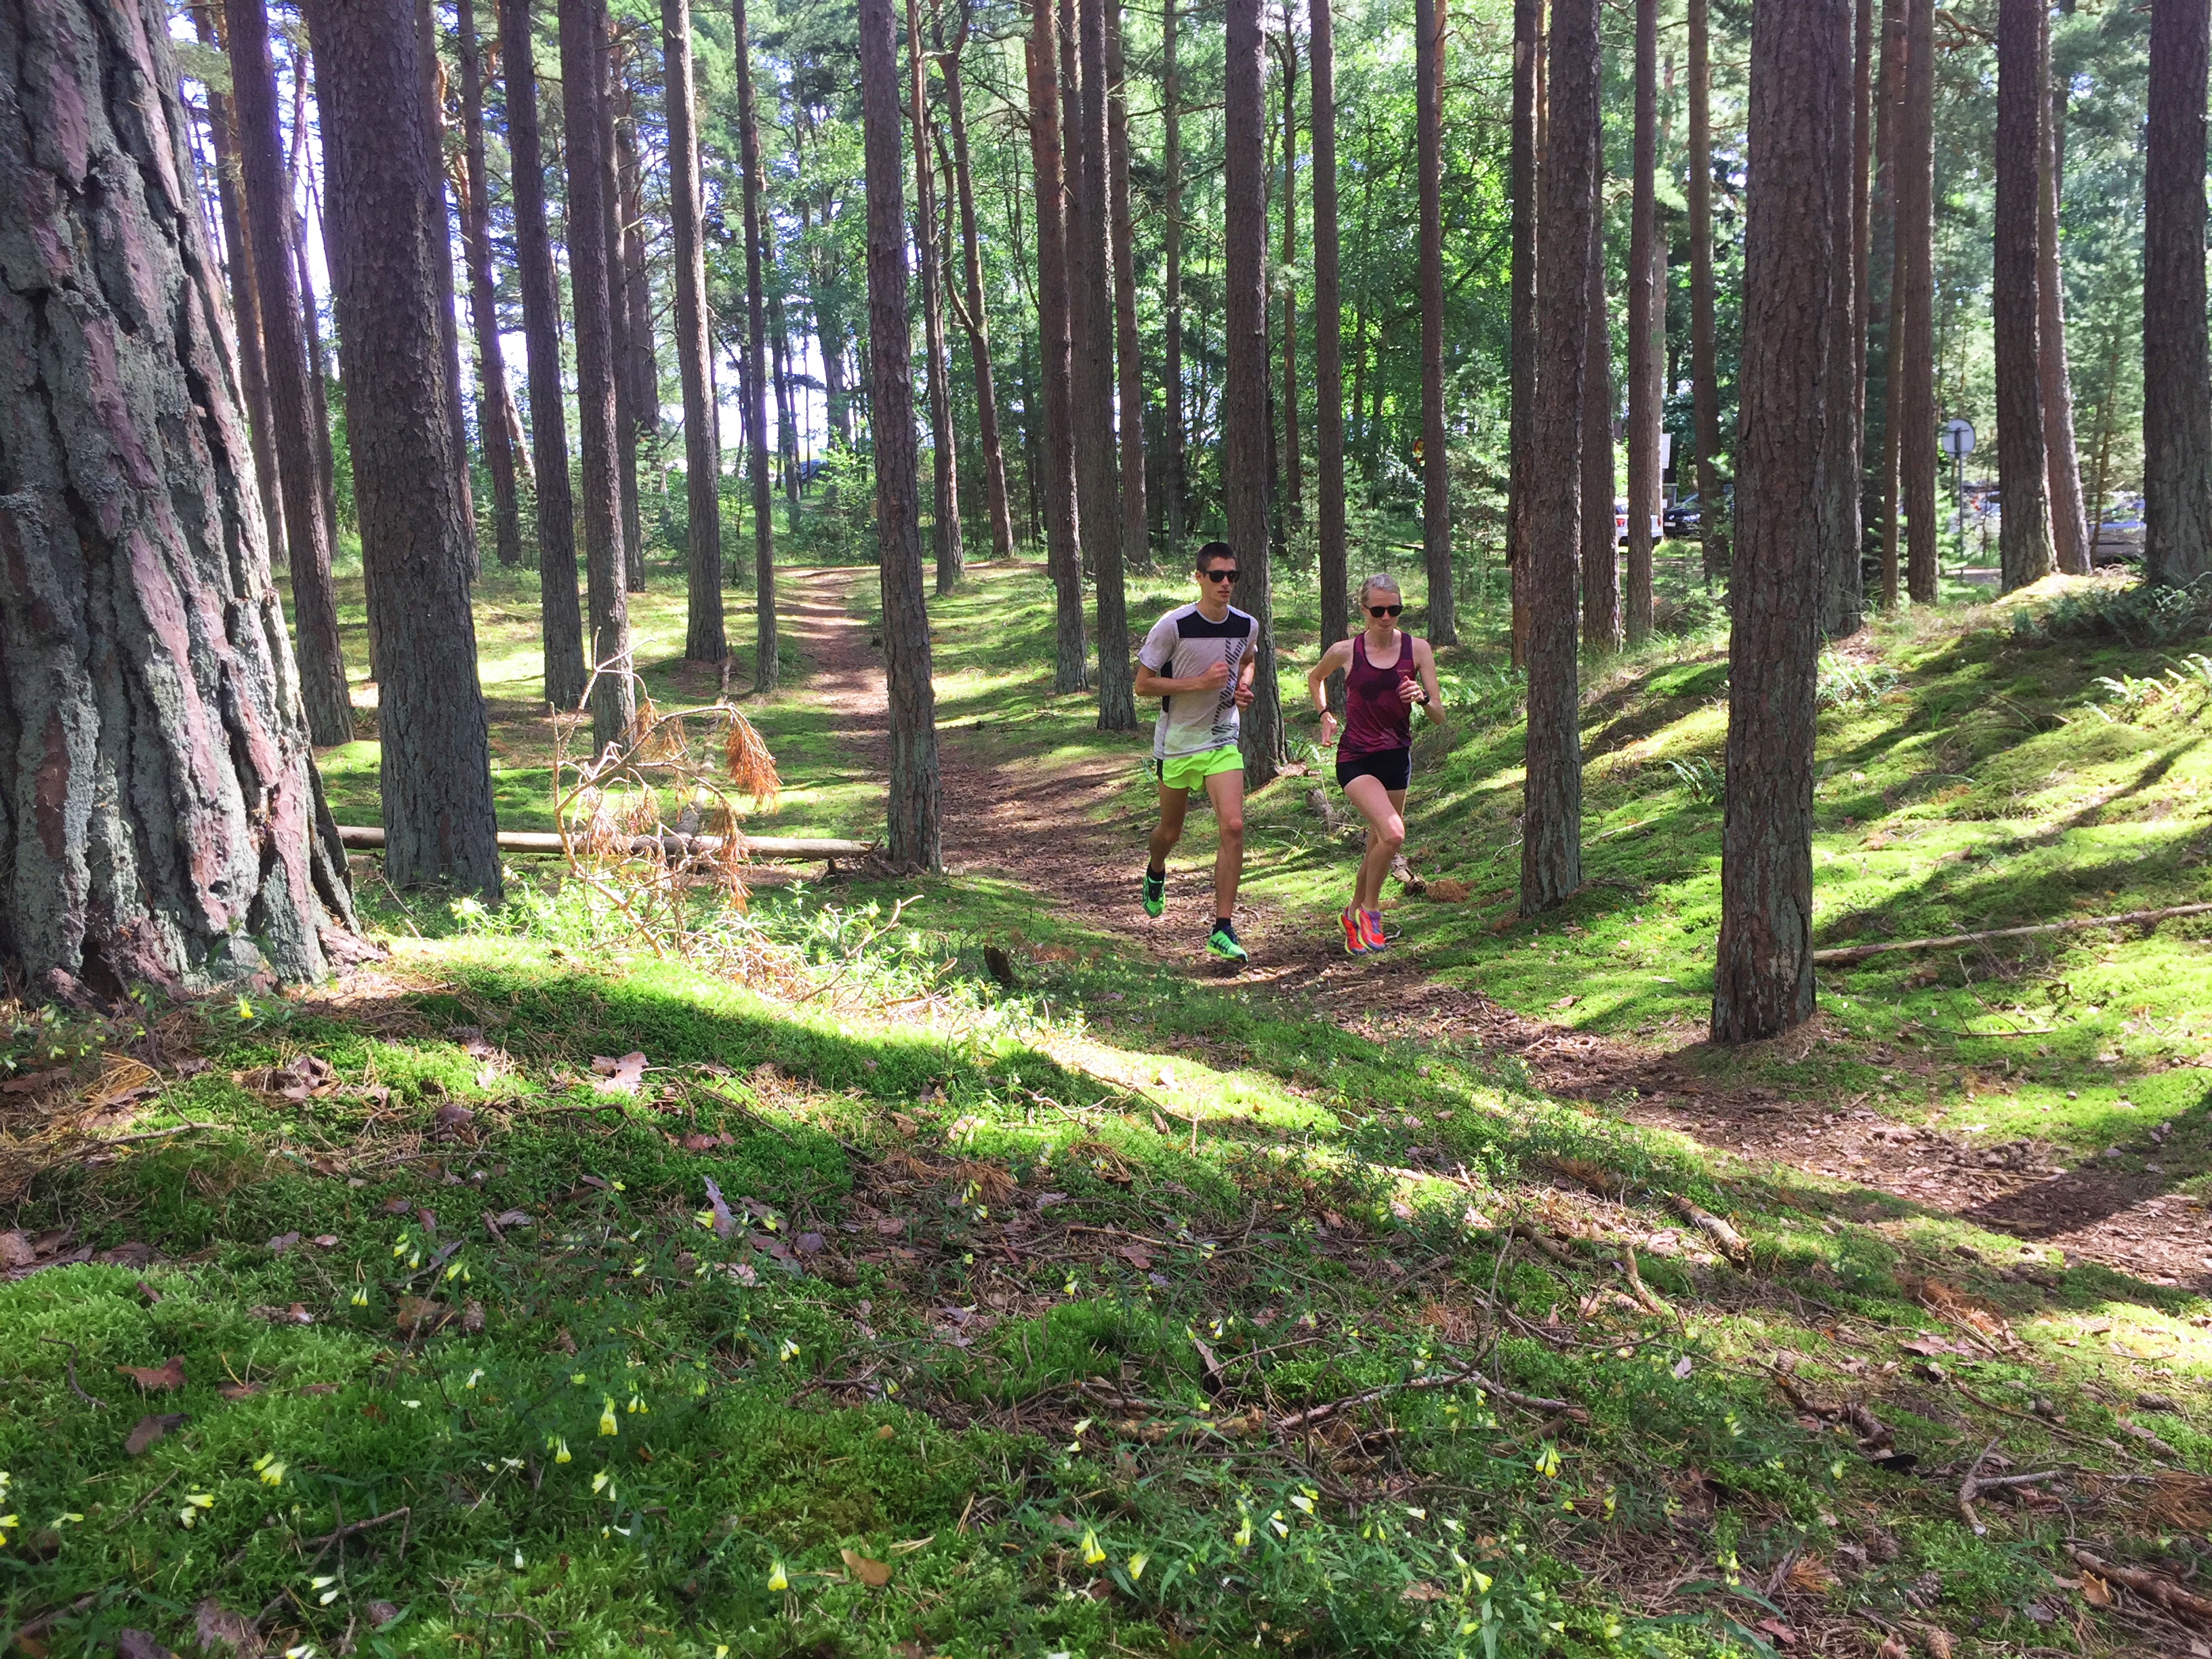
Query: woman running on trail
(1388,674)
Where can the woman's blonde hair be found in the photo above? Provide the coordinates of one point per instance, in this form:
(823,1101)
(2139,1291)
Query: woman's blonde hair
(1384,579)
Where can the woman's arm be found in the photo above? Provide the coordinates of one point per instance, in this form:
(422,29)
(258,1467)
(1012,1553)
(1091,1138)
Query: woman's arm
(1337,656)
(1425,665)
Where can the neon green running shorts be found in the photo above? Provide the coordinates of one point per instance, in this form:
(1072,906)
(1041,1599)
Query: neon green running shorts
(1191,771)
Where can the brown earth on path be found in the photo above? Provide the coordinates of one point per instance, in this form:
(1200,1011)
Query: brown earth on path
(1038,827)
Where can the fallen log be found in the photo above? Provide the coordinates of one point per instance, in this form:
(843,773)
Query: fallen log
(2151,1586)
(796,848)
(1842,954)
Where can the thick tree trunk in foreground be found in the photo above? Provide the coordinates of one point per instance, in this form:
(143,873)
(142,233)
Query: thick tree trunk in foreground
(2023,473)
(1713,514)
(977,320)
(160,821)
(583,96)
(561,622)
(1799,131)
(1171,166)
(306,538)
(766,664)
(1329,343)
(704,639)
(945,497)
(1136,543)
(1646,325)
(2177,377)
(1436,468)
(1600,554)
(1245,391)
(1063,555)
(1527,52)
(1912,303)
(435,774)
(491,365)
(1551,825)
(2069,525)
(913,807)
(432,81)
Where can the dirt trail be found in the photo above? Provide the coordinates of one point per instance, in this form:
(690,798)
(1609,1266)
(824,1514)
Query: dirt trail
(1037,827)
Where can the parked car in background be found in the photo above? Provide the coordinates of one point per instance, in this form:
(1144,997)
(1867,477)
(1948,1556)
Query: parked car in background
(1619,521)
(1685,516)
(2118,540)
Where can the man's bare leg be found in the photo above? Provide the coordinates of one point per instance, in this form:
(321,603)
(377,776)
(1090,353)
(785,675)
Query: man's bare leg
(1226,791)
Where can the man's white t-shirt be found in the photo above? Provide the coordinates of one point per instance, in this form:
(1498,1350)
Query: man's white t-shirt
(1182,645)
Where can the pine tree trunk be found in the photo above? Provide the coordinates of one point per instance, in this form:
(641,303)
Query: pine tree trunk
(2069,527)
(1435,466)
(621,365)
(560,615)
(946,498)
(977,321)
(1913,304)
(1879,392)
(161,819)
(2023,473)
(1136,542)
(1600,554)
(913,807)
(484,311)
(583,101)
(2177,381)
(704,638)
(434,773)
(1293,461)
(638,353)
(1244,428)
(1866,48)
(1174,483)
(767,664)
(1551,824)
(1328,347)
(1099,518)
(1795,280)
(1646,321)
(432,81)
(1843,583)
(245,294)
(327,494)
(1528,50)
(306,540)
(1063,555)
(1714,515)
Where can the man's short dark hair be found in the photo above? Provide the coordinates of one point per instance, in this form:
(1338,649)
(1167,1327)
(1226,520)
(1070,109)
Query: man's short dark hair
(1213,550)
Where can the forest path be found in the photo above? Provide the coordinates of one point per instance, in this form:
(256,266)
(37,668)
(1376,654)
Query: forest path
(1032,823)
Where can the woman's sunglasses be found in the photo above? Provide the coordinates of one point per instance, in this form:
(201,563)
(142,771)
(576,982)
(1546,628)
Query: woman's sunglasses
(1217,574)
(1385,610)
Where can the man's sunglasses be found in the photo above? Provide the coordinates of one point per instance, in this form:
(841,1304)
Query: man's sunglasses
(1385,610)
(1217,574)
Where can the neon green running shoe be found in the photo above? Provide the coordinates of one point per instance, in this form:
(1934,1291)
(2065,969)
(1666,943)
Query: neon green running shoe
(1223,942)
(1156,892)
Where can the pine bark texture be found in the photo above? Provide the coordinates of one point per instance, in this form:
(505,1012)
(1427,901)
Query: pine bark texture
(912,811)
(1843,585)
(583,98)
(1329,343)
(2177,376)
(1527,52)
(978,319)
(1136,544)
(1099,517)
(484,309)
(1063,555)
(1246,373)
(704,638)
(1551,824)
(1714,515)
(1879,438)
(1171,252)
(1646,325)
(621,351)
(2023,473)
(1293,492)
(435,770)
(430,78)
(1799,138)
(1913,303)
(2069,523)
(161,819)
(561,622)
(307,538)
(1600,556)
(1435,465)
(766,664)
(944,523)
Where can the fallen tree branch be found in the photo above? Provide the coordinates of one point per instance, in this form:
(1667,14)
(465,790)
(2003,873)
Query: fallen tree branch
(45,1619)
(1732,1243)
(1285,1425)
(2152,1586)
(759,847)
(1841,955)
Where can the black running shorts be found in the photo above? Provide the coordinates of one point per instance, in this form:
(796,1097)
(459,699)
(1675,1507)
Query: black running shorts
(1392,767)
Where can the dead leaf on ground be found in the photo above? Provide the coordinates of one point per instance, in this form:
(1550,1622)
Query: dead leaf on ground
(15,1250)
(450,1120)
(303,1078)
(1420,1590)
(151,1428)
(215,1624)
(137,1645)
(294,1313)
(874,1574)
(239,1390)
(283,1243)
(618,1077)
(419,1317)
(171,1375)
(2095,1591)
(514,1218)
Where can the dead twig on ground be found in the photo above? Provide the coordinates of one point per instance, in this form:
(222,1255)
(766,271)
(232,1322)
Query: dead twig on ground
(1841,955)
(2152,1586)
(69,1366)
(1285,1425)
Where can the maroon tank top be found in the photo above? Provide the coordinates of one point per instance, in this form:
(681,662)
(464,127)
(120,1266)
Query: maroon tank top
(1376,719)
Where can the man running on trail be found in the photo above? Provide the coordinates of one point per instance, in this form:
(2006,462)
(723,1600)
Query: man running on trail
(1198,661)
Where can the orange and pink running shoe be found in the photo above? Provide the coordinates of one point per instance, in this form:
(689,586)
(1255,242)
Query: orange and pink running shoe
(1355,931)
